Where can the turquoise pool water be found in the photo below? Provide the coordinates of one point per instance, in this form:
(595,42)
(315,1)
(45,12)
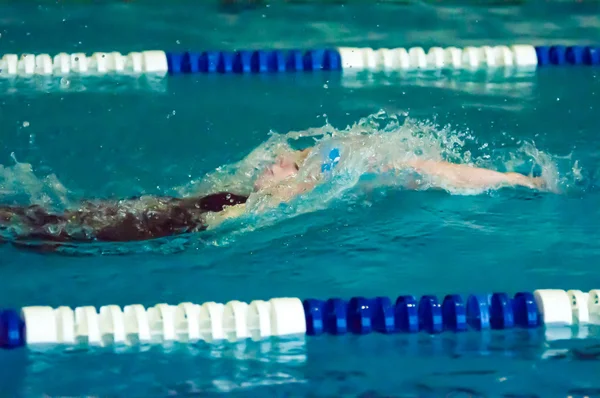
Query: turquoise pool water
(107,139)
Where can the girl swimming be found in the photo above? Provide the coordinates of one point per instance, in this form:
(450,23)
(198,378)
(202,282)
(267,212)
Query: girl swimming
(149,217)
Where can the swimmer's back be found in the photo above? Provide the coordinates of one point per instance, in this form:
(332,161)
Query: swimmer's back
(133,219)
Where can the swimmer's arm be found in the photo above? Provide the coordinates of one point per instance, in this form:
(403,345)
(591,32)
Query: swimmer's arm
(466,176)
(276,196)
(283,193)
(214,219)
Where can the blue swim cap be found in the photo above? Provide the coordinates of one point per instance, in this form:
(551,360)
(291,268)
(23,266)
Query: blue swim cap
(332,160)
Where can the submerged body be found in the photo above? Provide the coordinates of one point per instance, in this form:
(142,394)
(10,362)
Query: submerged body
(116,221)
(292,173)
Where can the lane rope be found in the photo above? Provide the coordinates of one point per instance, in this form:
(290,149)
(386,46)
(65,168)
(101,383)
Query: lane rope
(258,320)
(279,61)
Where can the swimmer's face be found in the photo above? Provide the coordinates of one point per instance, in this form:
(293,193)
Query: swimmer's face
(283,168)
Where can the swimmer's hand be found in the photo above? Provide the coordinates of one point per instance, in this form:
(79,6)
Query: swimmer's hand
(215,219)
(517,179)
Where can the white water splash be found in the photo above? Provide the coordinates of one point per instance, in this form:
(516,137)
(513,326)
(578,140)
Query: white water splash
(375,140)
(19,183)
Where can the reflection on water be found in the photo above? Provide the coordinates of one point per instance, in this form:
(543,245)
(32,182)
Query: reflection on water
(510,82)
(35,85)
(474,363)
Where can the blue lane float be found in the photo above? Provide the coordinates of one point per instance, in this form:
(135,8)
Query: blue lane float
(12,329)
(396,59)
(454,313)
(257,320)
(296,60)
(243,62)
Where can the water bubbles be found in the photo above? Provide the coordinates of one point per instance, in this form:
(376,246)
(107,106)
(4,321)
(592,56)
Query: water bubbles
(25,124)
(467,157)
(52,229)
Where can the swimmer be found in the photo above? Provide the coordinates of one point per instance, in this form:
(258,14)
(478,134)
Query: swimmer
(149,217)
(278,183)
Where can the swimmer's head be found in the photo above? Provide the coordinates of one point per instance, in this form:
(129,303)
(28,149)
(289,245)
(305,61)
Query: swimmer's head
(285,166)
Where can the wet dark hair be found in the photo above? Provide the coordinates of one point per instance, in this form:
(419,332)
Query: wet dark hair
(114,221)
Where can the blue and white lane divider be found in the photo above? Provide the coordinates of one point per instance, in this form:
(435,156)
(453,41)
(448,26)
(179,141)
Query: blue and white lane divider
(335,59)
(235,320)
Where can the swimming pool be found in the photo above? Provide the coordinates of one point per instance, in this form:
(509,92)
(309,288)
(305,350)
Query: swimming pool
(102,139)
